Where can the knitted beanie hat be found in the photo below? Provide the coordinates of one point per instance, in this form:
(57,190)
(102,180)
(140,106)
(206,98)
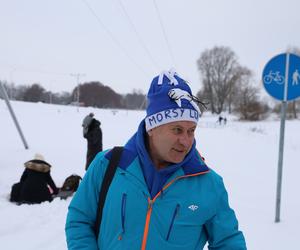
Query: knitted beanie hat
(87,120)
(170,99)
(38,156)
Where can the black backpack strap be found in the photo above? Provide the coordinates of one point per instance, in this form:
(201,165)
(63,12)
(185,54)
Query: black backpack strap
(109,175)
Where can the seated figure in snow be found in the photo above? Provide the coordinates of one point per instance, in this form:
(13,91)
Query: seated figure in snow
(36,184)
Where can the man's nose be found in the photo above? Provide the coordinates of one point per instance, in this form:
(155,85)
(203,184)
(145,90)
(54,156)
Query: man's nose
(185,140)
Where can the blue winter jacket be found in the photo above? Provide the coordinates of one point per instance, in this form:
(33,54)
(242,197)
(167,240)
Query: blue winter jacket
(190,210)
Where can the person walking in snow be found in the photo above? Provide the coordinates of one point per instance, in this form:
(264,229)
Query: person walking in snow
(163,195)
(93,133)
(220,118)
(36,184)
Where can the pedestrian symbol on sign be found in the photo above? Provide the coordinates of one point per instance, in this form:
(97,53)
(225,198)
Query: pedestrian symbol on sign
(295,76)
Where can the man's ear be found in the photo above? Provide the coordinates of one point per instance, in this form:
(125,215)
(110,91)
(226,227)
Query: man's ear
(150,132)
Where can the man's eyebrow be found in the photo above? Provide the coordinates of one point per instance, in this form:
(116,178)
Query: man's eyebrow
(182,127)
(177,126)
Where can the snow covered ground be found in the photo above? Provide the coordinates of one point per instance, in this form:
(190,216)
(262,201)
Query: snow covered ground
(244,153)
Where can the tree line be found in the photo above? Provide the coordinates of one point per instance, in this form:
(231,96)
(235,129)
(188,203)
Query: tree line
(226,86)
(94,94)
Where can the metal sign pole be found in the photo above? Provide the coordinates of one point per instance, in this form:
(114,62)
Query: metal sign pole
(280,161)
(281,140)
(276,82)
(5,96)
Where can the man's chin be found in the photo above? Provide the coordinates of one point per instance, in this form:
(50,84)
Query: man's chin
(178,158)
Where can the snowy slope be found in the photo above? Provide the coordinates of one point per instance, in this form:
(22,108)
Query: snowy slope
(244,153)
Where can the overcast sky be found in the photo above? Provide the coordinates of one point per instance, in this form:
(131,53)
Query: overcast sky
(122,43)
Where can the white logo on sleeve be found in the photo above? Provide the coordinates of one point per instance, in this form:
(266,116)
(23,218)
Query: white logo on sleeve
(193,207)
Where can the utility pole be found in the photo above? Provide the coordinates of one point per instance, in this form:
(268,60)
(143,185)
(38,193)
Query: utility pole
(77,76)
(5,97)
(11,95)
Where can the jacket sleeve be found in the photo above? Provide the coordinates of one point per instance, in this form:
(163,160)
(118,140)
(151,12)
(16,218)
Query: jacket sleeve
(94,138)
(82,211)
(222,228)
(51,183)
(24,175)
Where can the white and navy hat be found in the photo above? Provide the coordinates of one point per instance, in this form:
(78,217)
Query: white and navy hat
(170,99)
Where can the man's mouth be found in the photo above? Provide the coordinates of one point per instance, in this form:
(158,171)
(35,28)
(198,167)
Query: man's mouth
(179,150)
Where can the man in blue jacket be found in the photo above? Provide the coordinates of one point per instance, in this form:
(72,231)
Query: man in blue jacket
(163,196)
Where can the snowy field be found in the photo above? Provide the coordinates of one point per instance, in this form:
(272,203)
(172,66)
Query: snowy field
(244,153)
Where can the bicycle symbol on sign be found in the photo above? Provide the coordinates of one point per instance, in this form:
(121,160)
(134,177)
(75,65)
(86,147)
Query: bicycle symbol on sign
(274,76)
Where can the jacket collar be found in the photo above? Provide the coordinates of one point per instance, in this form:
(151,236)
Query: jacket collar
(192,163)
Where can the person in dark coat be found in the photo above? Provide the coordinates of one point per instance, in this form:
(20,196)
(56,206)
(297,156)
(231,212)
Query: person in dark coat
(93,133)
(36,184)
(220,119)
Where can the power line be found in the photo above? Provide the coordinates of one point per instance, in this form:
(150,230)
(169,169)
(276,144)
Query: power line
(39,71)
(164,33)
(113,37)
(138,35)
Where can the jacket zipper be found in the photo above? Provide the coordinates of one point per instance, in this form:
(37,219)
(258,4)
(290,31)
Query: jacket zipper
(150,204)
(172,221)
(149,211)
(123,210)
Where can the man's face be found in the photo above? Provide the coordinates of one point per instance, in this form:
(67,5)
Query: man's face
(171,142)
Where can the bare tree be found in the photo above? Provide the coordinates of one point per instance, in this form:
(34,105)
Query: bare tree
(291,111)
(294,108)
(34,93)
(95,94)
(243,79)
(134,100)
(62,98)
(247,103)
(220,72)
(11,90)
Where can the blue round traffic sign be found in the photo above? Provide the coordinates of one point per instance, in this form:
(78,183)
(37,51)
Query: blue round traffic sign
(278,83)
